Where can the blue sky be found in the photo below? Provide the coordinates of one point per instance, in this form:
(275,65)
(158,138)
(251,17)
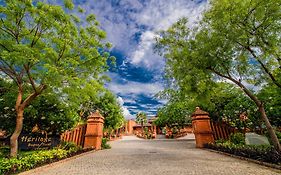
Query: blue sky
(131,26)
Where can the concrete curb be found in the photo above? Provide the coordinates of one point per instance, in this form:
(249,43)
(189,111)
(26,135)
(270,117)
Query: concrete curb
(247,159)
(55,163)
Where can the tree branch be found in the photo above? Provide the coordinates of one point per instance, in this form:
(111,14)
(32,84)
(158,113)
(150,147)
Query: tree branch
(62,52)
(27,70)
(32,96)
(264,67)
(4,47)
(239,83)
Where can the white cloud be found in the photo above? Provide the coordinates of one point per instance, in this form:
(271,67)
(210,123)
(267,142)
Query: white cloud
(126,112)
(160,15)
(123,21)
(144,54)
(120,101)
(118,85)
(132,87)
(126,100)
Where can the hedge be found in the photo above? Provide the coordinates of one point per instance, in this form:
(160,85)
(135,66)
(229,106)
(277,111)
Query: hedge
(264,153)
(32,159)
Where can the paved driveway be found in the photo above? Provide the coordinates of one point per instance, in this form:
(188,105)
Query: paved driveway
(148,157)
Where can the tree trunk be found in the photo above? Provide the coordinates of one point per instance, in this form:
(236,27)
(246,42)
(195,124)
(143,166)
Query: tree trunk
(14,137)
(270,130)
(260,106)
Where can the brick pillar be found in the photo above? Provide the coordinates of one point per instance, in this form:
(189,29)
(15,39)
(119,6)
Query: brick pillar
(94,132)
(202,128)
(154,131)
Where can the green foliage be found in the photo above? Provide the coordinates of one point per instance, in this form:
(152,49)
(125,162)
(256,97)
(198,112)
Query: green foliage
(69,146)
(271,96)
(44,49)
(221,48)
(224,102)
(32,159)
(104,144)
(141,118)
(147,134)
(108,106)
(264,153)
(7,104)
(46,39)
(47,111)
(236,41)
(173,113)
(4,152)
(50,114)
(237,138)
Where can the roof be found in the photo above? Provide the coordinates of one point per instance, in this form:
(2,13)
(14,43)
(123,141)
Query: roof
(199,111)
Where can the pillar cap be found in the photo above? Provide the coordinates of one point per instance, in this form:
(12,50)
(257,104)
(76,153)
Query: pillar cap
(96,114)
(198,112)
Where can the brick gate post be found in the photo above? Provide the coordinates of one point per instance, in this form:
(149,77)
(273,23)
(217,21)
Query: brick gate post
(202,128)
(94,133)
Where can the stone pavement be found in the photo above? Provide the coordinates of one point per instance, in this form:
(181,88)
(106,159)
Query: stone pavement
(134,156)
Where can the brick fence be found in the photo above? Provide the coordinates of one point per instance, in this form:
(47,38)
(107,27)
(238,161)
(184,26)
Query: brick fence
(88,135)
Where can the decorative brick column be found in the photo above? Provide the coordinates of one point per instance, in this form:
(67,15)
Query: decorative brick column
(202,128)
(94,133)
(154,129)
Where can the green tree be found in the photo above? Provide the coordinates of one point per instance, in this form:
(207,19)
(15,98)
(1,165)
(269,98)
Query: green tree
(7,104)
(173,113)
(224,102)
(43,47)
(271,96)
(108,106)
(141,118)
(218,49)
(46,111)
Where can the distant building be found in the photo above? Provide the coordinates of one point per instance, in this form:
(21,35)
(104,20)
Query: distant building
(129,127)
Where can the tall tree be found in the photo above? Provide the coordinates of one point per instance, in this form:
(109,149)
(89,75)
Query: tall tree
(173,113)
(196,58)
(108,106)
(42,46)
(253,28)
(141,118)
(47,111)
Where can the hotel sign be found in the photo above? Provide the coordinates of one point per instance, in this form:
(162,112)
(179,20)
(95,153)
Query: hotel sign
(37,141)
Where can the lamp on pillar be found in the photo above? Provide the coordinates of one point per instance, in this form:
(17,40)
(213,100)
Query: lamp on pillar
(93,136)
(202,128)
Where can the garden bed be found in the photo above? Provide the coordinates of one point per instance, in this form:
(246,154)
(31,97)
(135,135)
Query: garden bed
(261,153)
(31,159)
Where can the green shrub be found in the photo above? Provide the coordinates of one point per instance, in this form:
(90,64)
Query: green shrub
(265,153)
(31,159)
(70,146)
(4,151)
(104,144)
(220,141)
(237,138)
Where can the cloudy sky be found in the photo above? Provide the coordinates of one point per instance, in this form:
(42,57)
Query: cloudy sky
(131,26)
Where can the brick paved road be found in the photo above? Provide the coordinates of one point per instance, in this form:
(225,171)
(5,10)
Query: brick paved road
(149,157)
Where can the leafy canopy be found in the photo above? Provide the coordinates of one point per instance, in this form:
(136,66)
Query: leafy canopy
(43,46)
(141,118)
